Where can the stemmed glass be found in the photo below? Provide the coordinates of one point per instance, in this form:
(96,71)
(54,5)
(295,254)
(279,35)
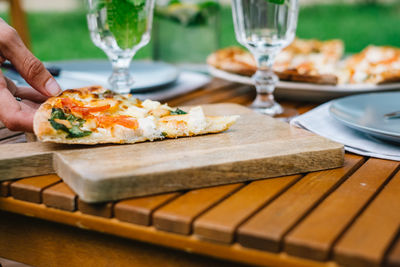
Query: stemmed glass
(265,27)
(120,28)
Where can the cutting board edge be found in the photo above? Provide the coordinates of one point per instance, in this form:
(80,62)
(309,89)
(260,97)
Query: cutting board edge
(28,166)
(93,192)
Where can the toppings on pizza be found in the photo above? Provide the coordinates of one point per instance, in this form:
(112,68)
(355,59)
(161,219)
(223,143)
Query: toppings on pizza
(94,115)
(375,64)
(318,62)
(303,61)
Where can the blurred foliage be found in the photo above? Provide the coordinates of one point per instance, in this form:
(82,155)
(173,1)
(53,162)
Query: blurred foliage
(58,36)
(357,25)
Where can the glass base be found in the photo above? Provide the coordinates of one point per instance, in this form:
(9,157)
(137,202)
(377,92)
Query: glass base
(273,109)
(121,82)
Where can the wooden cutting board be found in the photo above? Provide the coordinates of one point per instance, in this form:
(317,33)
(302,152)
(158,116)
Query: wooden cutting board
(256,147)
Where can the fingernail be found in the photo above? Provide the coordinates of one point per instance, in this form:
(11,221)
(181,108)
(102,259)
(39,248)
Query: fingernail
(52,87)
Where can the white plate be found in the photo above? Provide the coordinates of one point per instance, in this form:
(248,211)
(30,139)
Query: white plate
(148,75)
(309,91)
(365,112)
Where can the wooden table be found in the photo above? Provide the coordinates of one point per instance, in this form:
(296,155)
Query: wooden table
(348,216)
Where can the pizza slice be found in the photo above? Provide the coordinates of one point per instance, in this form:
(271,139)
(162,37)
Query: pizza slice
(373,65)
(309,61)
(95,115)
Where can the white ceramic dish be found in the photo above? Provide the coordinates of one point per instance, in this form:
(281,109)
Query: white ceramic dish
(366,113)
(309,91)
(148,75)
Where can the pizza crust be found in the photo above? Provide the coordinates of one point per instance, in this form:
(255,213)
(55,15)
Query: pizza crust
(156,125)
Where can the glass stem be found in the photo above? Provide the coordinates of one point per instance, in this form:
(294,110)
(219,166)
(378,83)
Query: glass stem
(265,81)
(121,81)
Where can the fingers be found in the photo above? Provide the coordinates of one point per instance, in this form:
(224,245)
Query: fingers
(17,116)
(30,104)
(25,92)
(30,94)
(28,66)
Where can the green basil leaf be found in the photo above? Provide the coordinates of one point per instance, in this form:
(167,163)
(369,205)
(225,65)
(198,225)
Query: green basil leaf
(76,132)
(178,112)
(58,126)
(57,113)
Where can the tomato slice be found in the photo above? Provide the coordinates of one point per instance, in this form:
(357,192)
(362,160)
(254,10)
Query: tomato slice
(126,121)
(87,110)
(74,106)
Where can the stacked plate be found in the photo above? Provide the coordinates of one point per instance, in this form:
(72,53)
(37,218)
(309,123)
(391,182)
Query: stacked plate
(376,114)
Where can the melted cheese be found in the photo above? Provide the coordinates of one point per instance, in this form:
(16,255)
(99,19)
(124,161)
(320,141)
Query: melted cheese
(133,111)
(149,129)
(197,120)
(150,105)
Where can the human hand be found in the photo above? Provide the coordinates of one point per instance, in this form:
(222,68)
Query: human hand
(18,115)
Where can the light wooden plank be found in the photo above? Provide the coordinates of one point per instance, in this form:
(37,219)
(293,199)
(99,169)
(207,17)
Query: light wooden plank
(235,252)
(139,210)
(104,209)
(266,229)
(315,235)
(393,259)
(219,223)
(367,240)
(26,160)
(30,189)
(255,147)
(60,196)
(178,215)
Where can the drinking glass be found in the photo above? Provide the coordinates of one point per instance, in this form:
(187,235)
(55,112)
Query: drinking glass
(120,28)
(265,27)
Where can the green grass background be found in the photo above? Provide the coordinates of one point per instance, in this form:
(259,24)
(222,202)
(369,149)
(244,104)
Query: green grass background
(59,36)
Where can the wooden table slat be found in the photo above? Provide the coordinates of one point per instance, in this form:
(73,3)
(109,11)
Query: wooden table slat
(257,215)
(368,239)
(242,99)
(139,210)
(219,95)
(266,229)
(219,223)
(393,258)
(6,133)
(19,138)
(305,108)
(30,189)
(96,209)
(206,92)
(178,215)
(60,196)
(315,235)
(5,188)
